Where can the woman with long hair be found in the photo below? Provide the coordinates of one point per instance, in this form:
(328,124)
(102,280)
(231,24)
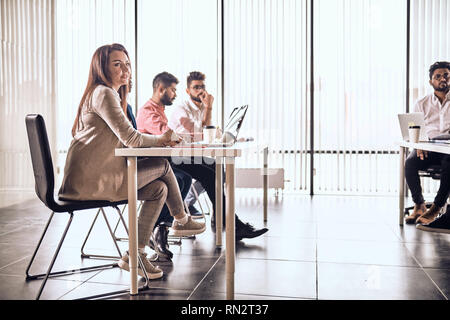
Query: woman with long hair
(93,172)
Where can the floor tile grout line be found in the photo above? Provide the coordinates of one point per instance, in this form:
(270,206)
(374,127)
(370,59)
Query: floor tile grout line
(11,263)
(10,231)
(426,273)
(83,282)
(418,262)
(204,277)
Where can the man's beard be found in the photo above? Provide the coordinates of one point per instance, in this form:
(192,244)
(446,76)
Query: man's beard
(441,89)
(165,100)
(196,99)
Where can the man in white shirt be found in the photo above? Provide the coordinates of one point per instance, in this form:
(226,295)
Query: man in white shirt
(436,109)
(188,120)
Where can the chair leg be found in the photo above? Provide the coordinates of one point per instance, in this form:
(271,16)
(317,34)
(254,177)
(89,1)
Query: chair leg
(117,225)
(121,215)
(120,292)
(86,255)
(89,232)
(200,204)
(58,273)
(125,291)
(28,276)
(54,257)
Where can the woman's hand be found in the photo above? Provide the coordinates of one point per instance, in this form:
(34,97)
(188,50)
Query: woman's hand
(169,138)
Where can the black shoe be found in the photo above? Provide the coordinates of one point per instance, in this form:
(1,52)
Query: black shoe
(441,224)
(246,230)
(158,242)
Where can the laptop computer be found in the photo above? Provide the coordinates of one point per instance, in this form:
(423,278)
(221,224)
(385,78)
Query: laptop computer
(230,133)
(412,119)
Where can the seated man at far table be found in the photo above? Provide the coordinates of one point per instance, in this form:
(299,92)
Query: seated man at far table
(436,110)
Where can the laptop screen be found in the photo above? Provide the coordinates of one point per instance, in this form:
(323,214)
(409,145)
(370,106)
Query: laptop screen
(235,120)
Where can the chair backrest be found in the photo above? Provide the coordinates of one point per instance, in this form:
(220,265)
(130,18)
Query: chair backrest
(41,158)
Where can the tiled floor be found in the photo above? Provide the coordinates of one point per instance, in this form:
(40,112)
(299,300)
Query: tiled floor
(324,247)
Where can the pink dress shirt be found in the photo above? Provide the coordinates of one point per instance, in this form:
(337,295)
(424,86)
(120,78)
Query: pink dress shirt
(152,119)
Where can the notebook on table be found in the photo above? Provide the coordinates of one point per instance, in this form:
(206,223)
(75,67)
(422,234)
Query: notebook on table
(443,138)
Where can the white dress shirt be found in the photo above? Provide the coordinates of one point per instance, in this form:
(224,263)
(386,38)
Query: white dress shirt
(187,119)
(437,115)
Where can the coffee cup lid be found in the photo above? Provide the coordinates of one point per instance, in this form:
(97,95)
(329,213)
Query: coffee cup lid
(209,127)
(414,127)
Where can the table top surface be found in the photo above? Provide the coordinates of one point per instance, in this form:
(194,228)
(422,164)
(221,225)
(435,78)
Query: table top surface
(427,146)
(189,151)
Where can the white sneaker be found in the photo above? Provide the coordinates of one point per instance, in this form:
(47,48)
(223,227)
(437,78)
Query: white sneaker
(190,228)
(152,271)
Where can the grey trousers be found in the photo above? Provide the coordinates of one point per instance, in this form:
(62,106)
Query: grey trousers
(156,185)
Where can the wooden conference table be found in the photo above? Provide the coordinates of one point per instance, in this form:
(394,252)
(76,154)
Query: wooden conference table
(222,155)
(404,146)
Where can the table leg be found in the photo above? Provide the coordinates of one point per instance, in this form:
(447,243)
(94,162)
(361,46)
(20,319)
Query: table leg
(265,183)
(219,206)
(401,189)
(132,222)
(230,229)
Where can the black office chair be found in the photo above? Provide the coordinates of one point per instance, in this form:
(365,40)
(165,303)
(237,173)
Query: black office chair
(44,185)
(433,172)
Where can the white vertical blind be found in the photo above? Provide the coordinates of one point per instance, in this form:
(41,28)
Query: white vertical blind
(360,59)
(178,37)
(82,27)
(266,67)
(27,84)
(430,34)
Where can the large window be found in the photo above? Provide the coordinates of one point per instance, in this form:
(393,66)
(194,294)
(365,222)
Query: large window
(266,66)
(81,27)
(261,50)
(359,81)
(430,34)
(27,84)
(178,37)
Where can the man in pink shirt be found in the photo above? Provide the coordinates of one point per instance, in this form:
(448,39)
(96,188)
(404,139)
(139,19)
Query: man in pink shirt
(436,110)
(151,117)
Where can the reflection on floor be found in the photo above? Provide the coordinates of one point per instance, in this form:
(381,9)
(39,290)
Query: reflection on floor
(325,247)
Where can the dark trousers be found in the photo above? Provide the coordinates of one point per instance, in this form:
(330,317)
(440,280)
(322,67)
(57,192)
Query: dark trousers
(184,182)
(204,172)
(412,166)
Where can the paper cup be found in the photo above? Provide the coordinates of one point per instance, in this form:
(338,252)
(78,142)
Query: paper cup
(209,134)
(414,133)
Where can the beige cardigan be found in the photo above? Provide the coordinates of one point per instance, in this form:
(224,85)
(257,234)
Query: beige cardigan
(92,171)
